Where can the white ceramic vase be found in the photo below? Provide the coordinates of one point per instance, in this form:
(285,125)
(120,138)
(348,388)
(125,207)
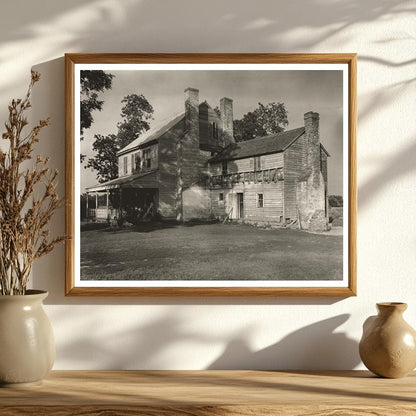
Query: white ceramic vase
(27,346)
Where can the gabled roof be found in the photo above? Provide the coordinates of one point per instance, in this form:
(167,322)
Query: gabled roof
(153,134)
(262,145)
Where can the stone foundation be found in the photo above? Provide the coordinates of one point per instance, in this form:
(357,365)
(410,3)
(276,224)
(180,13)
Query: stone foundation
(311,204)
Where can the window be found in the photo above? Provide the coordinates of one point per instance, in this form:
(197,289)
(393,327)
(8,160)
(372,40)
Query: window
(147,158)
(257,163)
(133,166)
(221,197)
(137,162)
(214,130)
(125,165)
(260,201)
(224,167)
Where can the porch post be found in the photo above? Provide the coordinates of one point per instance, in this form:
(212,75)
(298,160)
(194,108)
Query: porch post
(107,200)
(96,204)
(120,201)
(86,215)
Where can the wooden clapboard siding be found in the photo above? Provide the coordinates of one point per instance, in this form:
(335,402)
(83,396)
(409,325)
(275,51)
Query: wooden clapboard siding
(272,210)
(272,197)
(272,192)
(168,170)
(240,165)
(220,208)
(121,165)
(272,161)
(233,166)
(131,165)
(294,165)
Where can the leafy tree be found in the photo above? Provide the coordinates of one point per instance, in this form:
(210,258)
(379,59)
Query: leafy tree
(248,128)
(135,113)
(92,82)
(264,120)
(105,160)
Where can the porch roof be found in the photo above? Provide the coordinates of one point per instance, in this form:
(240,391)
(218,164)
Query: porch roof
(139,180)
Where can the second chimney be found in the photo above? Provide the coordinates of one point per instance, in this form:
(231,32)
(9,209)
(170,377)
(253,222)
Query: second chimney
(226,110)
(313,143)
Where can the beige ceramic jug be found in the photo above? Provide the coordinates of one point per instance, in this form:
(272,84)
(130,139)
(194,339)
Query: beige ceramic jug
(388,344)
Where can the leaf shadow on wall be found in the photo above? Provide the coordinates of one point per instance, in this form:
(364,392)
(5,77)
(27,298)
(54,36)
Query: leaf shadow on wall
(402,162)
(316,346)
(147,345)
(142,344)
(139,26)
(140,22)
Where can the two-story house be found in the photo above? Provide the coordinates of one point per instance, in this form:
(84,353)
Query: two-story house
(189,167)
(280,178)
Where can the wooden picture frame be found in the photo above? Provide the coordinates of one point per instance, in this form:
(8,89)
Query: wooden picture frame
(148,193)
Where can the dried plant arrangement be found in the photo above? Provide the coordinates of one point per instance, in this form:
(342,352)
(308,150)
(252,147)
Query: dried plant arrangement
(28,199)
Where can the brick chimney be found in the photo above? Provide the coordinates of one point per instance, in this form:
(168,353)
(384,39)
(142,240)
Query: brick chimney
(192,109)
(190,141)
(226,110)
(313,144)
(311,188)
(188,153)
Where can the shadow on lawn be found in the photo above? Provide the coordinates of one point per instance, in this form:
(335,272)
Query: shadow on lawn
(143,227)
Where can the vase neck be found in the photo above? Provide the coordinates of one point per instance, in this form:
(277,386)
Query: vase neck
(390,308)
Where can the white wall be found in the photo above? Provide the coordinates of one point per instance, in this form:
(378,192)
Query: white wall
(200,333)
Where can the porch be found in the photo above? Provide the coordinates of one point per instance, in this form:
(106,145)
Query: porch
(132,198)
(227,180)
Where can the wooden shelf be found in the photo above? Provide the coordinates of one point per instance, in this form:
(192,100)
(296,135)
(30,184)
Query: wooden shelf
(207,393)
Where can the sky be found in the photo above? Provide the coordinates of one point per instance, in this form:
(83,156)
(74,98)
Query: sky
(301,91)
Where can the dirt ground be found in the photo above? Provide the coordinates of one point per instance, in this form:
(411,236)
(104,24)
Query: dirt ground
(171,251)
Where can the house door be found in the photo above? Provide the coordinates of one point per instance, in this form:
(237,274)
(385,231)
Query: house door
(240,205)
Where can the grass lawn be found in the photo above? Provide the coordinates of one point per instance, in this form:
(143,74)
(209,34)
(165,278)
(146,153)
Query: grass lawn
(208,252)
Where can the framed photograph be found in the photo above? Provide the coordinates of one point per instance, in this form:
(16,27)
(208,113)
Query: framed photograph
(211,174)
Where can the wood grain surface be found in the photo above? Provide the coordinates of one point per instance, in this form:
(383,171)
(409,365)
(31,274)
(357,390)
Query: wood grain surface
(203,393)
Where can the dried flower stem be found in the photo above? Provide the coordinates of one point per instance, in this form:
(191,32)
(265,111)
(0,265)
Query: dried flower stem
(23,216)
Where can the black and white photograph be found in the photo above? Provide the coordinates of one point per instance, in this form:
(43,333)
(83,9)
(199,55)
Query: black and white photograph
(213,175)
